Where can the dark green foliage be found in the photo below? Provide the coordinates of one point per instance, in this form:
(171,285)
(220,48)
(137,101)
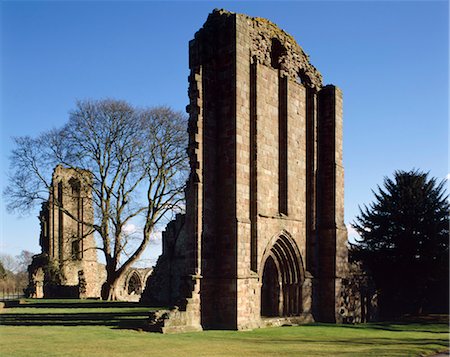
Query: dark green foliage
(405,245)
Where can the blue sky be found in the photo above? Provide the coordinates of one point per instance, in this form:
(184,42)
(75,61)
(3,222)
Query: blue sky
(390,58)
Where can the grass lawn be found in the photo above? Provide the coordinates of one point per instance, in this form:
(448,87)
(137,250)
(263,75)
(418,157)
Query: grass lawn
(100,331)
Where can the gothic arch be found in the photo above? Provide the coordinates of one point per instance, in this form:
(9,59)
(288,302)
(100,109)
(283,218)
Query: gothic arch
(133,283)
(75,185)
(281,277)
(146,276)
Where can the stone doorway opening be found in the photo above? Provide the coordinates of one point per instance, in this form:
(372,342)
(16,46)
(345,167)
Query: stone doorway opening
(270,290)
(282,280)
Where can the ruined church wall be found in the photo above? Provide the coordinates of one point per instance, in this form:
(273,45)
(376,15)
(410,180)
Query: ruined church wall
(67,240)
(261,94)
(164,286)
(70,239)
(265,150)
(241,97)
(71,191)
(211,54)
(332,232)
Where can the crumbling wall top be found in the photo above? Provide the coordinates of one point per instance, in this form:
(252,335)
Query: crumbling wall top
(66,173)
(272,46)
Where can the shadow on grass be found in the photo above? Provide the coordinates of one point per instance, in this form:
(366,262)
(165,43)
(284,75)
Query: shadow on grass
(394,326)
(112,319)
(413,327)
(360,341)
(73,305)
(409,336)
(133,315)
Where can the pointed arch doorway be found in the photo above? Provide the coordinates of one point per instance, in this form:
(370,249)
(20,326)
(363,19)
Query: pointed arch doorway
(282,279)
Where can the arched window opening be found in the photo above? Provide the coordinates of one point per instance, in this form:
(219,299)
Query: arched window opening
(75,186)
(77,253)
(277,53)
(134,284)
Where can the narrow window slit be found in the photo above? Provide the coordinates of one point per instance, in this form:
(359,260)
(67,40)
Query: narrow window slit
(253,172)
(283,145)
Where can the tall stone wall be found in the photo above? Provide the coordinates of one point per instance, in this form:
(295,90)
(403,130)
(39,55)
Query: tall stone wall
(164,286)
(332,233)
(67,265)
(263,233)
(67,238)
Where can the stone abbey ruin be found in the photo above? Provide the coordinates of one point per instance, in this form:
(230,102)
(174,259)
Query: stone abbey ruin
(67,265)
(263,240)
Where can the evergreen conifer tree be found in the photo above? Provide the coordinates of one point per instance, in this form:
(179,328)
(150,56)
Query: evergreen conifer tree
(405,243)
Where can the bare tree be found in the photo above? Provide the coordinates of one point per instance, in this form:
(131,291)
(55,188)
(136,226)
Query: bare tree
(138,161)
(10,263)
(13,271)
(24,260)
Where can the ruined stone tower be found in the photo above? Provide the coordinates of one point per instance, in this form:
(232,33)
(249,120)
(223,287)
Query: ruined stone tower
(67,265)
(263,241)
(66,238)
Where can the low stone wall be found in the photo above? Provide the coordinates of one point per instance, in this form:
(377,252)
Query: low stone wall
(172,321)
(286,321)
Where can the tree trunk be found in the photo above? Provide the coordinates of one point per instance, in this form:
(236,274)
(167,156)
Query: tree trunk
(109,288)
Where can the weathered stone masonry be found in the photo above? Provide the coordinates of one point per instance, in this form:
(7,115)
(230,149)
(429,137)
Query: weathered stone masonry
(263,241)
(68,245)
(67,238)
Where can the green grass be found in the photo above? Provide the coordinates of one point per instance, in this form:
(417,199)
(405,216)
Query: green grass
(102,331)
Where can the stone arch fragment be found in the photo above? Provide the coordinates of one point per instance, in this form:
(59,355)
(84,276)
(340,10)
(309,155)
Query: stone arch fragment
(134,283)
(282,278)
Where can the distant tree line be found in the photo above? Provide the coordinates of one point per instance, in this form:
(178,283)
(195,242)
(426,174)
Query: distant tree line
(13,272)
